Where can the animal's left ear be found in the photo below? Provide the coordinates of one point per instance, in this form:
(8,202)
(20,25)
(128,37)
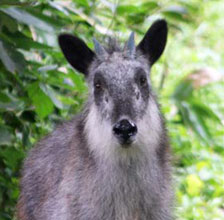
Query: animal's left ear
(154,41)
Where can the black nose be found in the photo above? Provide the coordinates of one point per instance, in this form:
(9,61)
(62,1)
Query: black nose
(124,130)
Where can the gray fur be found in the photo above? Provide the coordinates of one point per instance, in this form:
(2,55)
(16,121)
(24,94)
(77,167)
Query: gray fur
(81,172)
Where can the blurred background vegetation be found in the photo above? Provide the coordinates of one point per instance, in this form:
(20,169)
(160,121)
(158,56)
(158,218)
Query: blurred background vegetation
(38,88)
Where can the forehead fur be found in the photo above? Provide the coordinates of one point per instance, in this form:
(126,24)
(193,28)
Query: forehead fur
(117,63)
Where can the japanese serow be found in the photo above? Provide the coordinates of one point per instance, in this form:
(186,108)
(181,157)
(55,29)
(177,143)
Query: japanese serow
(111,161)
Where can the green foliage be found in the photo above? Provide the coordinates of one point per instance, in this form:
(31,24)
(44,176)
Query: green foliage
(39,89)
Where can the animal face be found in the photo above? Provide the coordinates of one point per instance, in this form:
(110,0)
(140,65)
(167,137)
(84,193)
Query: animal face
(122,109)
(120,89)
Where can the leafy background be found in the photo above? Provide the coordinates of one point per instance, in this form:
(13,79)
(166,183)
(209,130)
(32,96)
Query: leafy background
(38,88)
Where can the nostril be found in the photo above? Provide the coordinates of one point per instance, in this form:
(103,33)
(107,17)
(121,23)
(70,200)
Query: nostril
(132,130)
(117,129)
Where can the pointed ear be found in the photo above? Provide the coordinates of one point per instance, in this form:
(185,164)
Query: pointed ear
(76,52)
(154,41)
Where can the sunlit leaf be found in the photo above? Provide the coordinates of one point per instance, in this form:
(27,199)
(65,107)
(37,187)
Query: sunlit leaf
(127,9)
(146,7)
(194,185)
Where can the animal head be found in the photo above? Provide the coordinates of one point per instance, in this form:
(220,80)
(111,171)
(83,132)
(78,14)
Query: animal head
(123,113)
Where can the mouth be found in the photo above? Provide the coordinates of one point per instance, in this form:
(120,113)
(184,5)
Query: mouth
(126,143)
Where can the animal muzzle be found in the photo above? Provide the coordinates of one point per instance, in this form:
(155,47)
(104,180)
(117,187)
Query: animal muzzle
(125,131)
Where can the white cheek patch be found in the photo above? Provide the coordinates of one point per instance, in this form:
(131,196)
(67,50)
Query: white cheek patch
(101,140)
(149,128)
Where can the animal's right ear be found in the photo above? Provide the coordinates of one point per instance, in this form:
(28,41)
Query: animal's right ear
(76,52)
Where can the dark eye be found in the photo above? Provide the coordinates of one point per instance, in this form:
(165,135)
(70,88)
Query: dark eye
(142,80)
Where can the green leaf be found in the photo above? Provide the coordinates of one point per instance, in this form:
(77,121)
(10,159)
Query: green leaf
(27,18)
(60,80)
(204,110)
(12,59)
(24,42)
(48,19)
(11,106)
(26,134)
(51,94)
(59,8)
(195,121)
(78,80)
(183,91)
(12,157)
(177,13)
(43,104)
(83,3)
(194,185)
(5,135)
(13,2)
(47,68)
(4,97)
(8,22)
(127,9)
(150,5)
